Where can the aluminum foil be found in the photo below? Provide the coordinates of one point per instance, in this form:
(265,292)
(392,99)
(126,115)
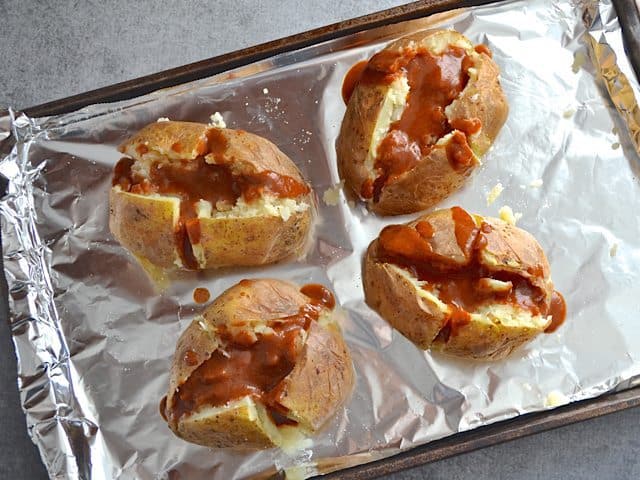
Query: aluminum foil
(95,341)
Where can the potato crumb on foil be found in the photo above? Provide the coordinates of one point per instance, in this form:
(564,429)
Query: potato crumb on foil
(507,215)
(217,121)
(579,60)
(568,113)
(494,193)
(615,145)
(163,119)
(613,251)
(302,471)
(555,399)
(331,196)
(536,183)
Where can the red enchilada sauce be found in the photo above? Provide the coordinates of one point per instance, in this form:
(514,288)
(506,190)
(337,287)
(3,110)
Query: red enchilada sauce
(250,366)
(201,295)
(351,79)
(462,285)
(558,311)
(482,48)
(195,180)
(434,82)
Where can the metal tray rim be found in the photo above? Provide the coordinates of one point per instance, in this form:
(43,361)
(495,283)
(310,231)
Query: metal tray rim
(464,442)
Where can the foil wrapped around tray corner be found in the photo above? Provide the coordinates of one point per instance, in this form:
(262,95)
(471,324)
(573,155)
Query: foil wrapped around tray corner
(94,341)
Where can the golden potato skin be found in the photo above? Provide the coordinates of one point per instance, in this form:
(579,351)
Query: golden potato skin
(396,295)
(186,138)
(255,300)
(511,249)
(488,340)
(319,383)
(490,106)
(396,299)
(249,153)
(433,179)
(248,241)
(321,379)
(352,145)
(235,426)
(145,226)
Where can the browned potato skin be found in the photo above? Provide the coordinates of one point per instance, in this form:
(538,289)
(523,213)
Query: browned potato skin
(144,227)
(352,145)
(253,240)
(491,106)
(320,382)
(481,341)
(246,152)
(228,428)
(162,136)
(396,299)
(433,179)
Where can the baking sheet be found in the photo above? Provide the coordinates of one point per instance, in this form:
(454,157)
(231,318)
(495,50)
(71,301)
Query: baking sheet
(95,341)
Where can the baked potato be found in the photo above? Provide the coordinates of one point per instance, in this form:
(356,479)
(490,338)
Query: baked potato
(194,196)
(467,285)
(421,114)
(265,365)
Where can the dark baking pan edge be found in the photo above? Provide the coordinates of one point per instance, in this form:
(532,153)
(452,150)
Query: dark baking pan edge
(212,66)
(629,17)
(481,437)
(495,434)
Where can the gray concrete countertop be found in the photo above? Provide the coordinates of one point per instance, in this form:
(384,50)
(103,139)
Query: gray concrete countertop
(52,49)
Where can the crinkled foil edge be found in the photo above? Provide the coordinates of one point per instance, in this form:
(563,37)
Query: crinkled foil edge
(49,382)
(608,71)
(59,418)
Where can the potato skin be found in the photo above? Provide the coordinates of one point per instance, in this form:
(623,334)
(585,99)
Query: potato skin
(396,295)
(485,100)
(175,140)
(396,299)
(488,340)
(321,379)
(433,179)
(249,241)
(144,225)
(352,145)
(235,426)
(319,383)
(247,152)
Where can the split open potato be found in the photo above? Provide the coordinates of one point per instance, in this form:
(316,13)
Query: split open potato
(421,114)
(265,365)
(463,284)
(194,196)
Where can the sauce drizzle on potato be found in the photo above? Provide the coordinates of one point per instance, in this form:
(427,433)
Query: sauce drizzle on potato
(435,81)
(252,362)
(198,179)
(464,283)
